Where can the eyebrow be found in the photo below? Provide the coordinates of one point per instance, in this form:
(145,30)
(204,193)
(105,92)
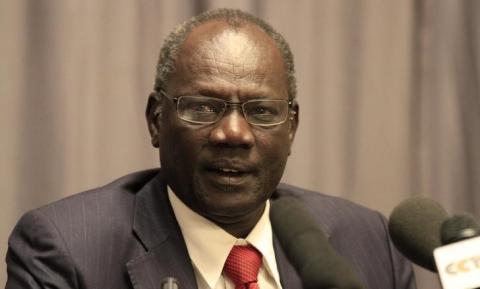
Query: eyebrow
(223,93)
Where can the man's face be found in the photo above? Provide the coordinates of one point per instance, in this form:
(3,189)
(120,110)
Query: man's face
(225,171)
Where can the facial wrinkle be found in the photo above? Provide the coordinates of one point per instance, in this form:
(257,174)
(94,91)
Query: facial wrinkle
(231,57)
(236,54)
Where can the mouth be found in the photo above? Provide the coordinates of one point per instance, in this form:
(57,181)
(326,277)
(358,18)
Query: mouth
(228,172)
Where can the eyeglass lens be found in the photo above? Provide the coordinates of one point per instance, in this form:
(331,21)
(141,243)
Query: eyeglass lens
(208,110)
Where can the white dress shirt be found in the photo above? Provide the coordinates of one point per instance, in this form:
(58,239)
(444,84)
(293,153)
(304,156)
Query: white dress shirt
(209,245)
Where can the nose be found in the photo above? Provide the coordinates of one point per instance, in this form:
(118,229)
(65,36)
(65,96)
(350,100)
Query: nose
(232,130)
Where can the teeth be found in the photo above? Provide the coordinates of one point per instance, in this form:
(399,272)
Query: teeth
(225,170)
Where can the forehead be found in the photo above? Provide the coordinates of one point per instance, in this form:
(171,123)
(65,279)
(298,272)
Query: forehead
(245,55)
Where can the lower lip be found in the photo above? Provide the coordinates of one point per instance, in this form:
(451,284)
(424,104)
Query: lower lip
(228,179)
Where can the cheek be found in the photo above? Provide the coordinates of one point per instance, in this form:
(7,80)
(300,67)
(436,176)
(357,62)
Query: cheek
(180,147)
(274,148)
(276,139)
(188,145)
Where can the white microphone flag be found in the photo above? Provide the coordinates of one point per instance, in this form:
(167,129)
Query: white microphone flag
(458,264)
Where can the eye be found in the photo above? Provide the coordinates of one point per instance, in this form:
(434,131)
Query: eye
(198,109)
(203,107)
(262,110)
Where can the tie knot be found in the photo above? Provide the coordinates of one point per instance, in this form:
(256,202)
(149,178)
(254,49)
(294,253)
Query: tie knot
(242,266)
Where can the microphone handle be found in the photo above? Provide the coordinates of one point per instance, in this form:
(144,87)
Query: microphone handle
(169,283)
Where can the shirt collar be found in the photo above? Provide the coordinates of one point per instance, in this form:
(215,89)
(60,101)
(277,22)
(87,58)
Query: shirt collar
(209,245)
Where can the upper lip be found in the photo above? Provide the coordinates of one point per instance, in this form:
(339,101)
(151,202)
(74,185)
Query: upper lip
(230,165)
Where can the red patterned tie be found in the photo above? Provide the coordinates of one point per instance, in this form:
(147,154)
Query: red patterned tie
(242,266)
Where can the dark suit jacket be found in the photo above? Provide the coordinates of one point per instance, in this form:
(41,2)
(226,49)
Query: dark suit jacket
(125,235)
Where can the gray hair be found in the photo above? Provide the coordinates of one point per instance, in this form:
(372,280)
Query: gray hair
(235,18)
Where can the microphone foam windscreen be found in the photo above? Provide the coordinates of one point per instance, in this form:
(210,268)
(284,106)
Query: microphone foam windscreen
(308,249)
(414,227)
(459,227)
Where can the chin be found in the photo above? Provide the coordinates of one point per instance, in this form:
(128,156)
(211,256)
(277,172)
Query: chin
(229,203)
(232,215)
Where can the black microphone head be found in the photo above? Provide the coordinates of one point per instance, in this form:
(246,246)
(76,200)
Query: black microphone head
(458,228)
(414,227)
(308,249)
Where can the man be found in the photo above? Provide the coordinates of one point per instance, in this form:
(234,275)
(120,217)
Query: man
(224,116)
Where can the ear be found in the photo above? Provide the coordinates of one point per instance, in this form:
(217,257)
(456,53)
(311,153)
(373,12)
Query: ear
(293,119)
(153,114)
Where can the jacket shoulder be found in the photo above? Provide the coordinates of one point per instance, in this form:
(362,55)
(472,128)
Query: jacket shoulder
(113,199)
(359,234)
(332,212)
(80,234)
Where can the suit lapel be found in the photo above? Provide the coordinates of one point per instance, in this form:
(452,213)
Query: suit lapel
(158,231)
(288,276)
(166,253)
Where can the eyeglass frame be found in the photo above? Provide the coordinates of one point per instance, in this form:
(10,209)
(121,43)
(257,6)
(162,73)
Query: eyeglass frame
(290,103)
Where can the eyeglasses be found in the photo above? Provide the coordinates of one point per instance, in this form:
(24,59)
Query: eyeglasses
(207,110)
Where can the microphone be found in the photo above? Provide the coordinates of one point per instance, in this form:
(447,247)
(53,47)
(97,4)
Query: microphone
(169,283)
(308,249)
(458,261)
(422,231)
(414,227)
(458,228)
